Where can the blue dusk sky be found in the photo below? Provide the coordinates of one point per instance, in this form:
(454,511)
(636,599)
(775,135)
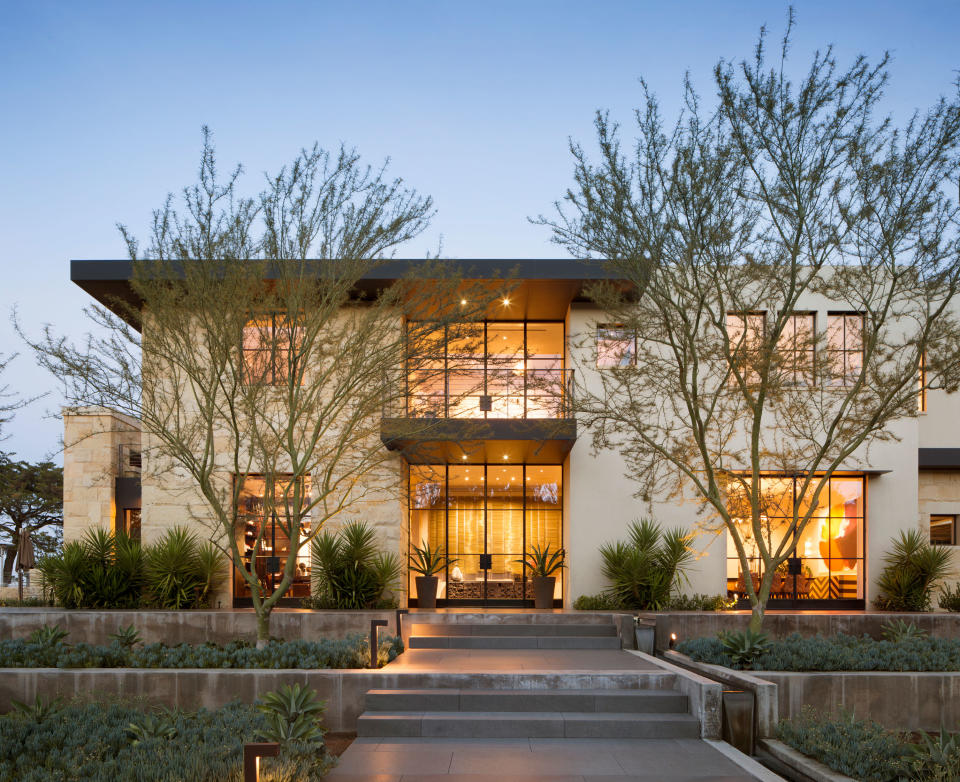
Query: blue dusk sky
(474,102)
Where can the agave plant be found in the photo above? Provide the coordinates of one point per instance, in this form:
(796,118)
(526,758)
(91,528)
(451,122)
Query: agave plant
(160,725)
(126,636)
(644,570)
(898,630)
(428,561)
(47,635)
(39,710)
(744,647)
(911,570)
(541,562)
(350,572)
(293,714)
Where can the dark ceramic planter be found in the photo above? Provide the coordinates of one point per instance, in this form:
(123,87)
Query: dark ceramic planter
(543,587)
(426,591)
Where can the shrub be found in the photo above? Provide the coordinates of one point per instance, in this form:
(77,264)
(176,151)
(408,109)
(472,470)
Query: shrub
(950,600)
(116,742)
(110,570)
(351,573)
(644,570)
(898,630)
(294,713)
(698,602)
(352,652)
(858,748)
(837,653)
(180,571)
(911,570)
(601,602)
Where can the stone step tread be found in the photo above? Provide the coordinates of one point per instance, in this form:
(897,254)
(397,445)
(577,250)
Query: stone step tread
(527,724)
(443,629)
(518,700)
(512,642)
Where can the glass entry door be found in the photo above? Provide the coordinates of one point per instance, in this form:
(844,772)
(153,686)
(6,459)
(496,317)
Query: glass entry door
(486,517)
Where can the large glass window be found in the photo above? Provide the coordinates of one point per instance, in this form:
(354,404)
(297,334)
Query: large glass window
(795,349)
(943,529)
(616,346)
(475,511)
(495,369)
(845,346)
(269,349)
(262,534)
(830,549)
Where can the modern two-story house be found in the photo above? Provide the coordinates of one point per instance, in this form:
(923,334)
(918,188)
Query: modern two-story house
(503,465)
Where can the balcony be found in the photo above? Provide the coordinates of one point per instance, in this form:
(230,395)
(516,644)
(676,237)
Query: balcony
(475,414)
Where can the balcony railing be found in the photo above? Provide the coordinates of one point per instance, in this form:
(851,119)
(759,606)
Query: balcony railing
(486,393)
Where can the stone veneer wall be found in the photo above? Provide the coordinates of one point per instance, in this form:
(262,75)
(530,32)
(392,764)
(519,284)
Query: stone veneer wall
(92,438)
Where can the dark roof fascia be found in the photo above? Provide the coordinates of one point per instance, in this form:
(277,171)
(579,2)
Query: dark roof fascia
(938,458)
(573,269)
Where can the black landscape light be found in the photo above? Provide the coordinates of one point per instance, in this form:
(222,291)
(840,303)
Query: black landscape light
(251,758)
(375,625)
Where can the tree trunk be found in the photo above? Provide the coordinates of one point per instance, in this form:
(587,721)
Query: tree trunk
(756,618)
(263,626)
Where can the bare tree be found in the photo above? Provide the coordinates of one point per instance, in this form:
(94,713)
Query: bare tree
(246,357)
(725,227)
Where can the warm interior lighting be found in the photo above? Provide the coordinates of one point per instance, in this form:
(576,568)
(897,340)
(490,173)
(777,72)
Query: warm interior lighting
(463,302)
(464,457)
(506,303)
(505,457)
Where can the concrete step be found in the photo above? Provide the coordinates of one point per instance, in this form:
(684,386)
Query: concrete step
(585,700)
(512,642)
(512,630)
(530,724)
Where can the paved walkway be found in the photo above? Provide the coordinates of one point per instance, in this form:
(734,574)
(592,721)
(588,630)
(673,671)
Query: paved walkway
(540,760)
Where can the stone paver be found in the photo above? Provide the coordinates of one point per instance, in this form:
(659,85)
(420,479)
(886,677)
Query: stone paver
(535,760)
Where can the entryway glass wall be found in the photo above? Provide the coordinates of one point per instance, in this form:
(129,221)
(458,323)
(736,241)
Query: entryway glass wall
(486,516)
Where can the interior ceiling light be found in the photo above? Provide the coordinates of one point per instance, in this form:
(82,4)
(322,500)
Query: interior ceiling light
(506,303)
(463,302)
(504,456)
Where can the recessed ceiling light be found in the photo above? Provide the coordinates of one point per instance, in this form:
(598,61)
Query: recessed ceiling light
(464,457)
(463,302)
(506,303)
(505,456)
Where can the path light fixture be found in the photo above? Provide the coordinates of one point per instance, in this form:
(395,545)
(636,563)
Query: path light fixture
(673,640)
(251,758)
(375,625)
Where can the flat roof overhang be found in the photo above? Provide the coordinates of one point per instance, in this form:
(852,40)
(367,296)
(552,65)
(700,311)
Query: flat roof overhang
(466,441)
(938,458)
(539,288)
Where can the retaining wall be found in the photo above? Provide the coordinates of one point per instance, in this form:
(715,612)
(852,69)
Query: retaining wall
(697,624)
(193,627)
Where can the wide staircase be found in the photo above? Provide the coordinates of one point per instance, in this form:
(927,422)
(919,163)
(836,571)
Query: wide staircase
(579,703)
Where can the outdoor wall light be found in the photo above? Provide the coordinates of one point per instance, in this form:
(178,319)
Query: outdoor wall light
(673,640)
(251,758)
(375,625)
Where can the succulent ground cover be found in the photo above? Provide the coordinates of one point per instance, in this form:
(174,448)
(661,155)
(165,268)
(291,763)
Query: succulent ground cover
(126,742)
(867,751)
(51,651)
(835,653)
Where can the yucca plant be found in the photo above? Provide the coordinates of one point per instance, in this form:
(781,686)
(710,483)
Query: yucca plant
(541,562)
(644,570)
(911,570)
(180,571)
(427,560)
(47,635)
(350,571)
(293,714)
(102,570)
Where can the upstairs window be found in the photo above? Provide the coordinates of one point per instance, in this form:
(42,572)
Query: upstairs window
(943,529)
(845,346)
(269,349)
(616,346)
(796,349)
(745,331)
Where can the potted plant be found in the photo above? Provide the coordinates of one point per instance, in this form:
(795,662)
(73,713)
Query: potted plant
(543,564)
(428,562)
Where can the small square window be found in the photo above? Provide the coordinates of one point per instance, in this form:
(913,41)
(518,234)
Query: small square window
(943,529)
(616,346)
